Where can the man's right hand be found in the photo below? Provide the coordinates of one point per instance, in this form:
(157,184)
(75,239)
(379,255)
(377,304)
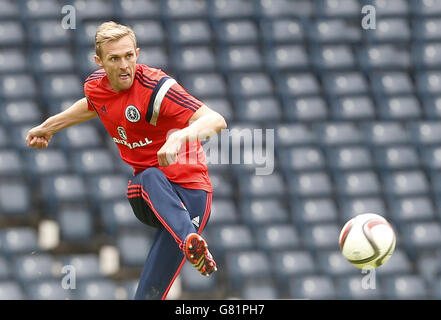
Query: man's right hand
(38,138)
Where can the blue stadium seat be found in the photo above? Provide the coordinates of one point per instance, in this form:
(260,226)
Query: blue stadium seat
(305,109)
(351,288)
(391,83)
(429,82)
(251,84)
(406,183)
(314,184)
(390,30)
(398,264)
(12,34)
(223,211)
(93,289)
(17,61)
(84,135)
(426,132)
(195,59)
(262,186)
(317,237)
(46,9)
(294,134)
(85,33)
(229,238)
(333,57)
(53,60)
(229,9)
(399,108)
(220,105)
(426,8)
(259,212)
(285,8)
(18,134)
(287,57)
(174,9)
(349,158)
(352,206)
(426,56)
(86,63)
(360,183)
(11,163)
(396,158)
(19,112)
(432,107)
(87,265)
(277,237)
(94,9)
(93,161)
(18,240)
(391,8)
(404,287)
(117,215)
(298,84)
(282,30)
(421,236)
(105,187)
(62,86)
(265,109)
(431,158)
(15,200)
(246,266)
(382,133)
(48,32)
(338,8)
(205,85)
(386,56)
(236,32)
(47,162)
(223,187)
(11,290)
(259,290)
(427,29)
(301,159)
(31,267)
(193,283)
(133,248)
(76,225)
(314,287)
(129,9)
(148,32)
(345,83)
(240,58)
(333,264)
(334,31)
(314,210)
(17,86)
(9,9)
(338,134)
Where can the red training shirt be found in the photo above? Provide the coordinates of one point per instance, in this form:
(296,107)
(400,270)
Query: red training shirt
(138,120)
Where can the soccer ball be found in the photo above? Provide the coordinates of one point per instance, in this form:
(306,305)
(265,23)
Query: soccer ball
(367,240)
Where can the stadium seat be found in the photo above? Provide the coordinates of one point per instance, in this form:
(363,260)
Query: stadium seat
(11,163)
(251,85)
(222,185)
(298,84)
(148,32)
(377,57)
(294,134)
(314,210)
(48,33)
(432,107)
(302,159)
(421,236)
(11,290)
(282,30)
(236,32)
(338,134)
(129,9)
(62,86)
(333,264)
(392,8)
(76,225)
(408,183)
(398,264)
(229,238)
(259,290)
(15,200)
(338,8)
(431,158)
(19,112)
(316,237)
(435,289)
(240,58)
(46,9)
(17,86)
(428,83)
(105,187)
(351,288)
(205,85)
(174,9)
(9,9)
(93,289)
(312,109)
(18,240)
(426,56)
(84,135)
(396,158)
(349,158)
(345,83)
(12,34)
(391,83)
(312,287)
(333,57)
(195,59)
(93,161)
(285,8)
(426,29)
(399,108)
(231,9)
(262,186)
(222,106)
(193,283)
(94,9)
(352,206)
(6,269)
(425,132)
(265,109)
(133,248)
(390,30)
(382,133)
(18,135)
(85,34)
(47,162)
(30,267)
(426,8)
(86,265)
(118,215)
(260,212)
(317,183)
(16,58)
(404,287)
(277,237)
(53,60)
(223,211)
(352,108)
(334,31)
(361,183)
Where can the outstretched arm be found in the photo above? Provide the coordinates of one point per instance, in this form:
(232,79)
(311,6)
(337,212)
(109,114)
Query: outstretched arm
(40,136)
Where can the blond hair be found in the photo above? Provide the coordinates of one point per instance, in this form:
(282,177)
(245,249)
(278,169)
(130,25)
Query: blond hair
(110,31)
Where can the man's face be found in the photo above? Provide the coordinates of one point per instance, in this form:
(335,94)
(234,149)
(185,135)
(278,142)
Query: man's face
(118,58)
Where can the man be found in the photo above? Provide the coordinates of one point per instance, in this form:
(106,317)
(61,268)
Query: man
(157,127)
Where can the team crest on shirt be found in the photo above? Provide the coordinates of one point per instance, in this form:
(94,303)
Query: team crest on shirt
(132,114)
(122,133)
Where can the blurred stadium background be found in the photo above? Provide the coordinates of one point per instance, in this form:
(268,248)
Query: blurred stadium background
(357,119)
